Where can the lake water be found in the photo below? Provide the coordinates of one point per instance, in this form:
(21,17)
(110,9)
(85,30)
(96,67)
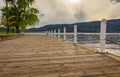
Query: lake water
(93,40)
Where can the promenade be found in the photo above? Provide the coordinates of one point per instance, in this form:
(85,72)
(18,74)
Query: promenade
(43,56)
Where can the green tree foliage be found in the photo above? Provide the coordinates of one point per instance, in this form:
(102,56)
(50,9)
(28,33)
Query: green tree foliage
(21,14)
(10,21)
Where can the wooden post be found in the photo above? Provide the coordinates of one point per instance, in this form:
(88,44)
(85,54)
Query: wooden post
(75,33)
(103,36)
(58,33)
(46,33)
(54,33)
(64,33)
(49,33)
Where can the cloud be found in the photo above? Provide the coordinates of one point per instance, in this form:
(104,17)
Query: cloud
(62,11)
(97,9)
(116,0)
(56,11)
(80,14)
(1,5)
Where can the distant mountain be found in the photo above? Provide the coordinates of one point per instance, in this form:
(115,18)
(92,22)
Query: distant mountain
(113,26)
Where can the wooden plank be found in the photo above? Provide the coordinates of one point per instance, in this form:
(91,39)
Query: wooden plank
(50,58)
(43,60)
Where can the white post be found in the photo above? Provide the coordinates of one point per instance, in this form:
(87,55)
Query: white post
(58,33)
(46,33)
(49,33)
(103,36)
(75,33)
(54,33)
(64,33)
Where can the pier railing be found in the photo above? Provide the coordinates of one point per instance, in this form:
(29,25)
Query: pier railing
(102,37)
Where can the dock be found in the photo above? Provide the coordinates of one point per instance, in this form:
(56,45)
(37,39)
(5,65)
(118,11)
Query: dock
(44,56)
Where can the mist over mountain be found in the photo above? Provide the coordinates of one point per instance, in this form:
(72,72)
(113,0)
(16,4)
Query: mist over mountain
(113,26)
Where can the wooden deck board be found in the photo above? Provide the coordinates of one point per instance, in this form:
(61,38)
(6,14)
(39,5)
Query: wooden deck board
(42,56)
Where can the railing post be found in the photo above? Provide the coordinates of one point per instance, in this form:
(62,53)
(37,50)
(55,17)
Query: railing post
(64,33)
(58,33)
(75,33)
(103,36)
(54,33)
(46,33)
(49,33)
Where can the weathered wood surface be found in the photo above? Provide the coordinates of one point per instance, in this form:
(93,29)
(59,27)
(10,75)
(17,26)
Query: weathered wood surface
(42,56)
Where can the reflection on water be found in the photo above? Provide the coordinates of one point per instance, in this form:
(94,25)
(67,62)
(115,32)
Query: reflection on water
(94,38)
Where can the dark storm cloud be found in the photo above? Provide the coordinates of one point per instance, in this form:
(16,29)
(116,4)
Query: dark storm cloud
(116,0)
(80,15)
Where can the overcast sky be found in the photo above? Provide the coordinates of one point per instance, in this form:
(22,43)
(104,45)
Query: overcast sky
(69,11)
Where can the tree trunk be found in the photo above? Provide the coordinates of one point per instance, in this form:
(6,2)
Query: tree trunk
(13,30)
(8,29)
(17,29)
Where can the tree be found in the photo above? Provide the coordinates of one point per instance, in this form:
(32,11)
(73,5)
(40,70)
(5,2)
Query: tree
(24,14)
(10,23)
(5,15)
(10,19)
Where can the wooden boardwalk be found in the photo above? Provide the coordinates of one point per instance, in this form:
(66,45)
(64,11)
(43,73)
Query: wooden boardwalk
(42,56)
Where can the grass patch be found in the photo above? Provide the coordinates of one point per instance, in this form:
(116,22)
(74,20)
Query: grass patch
(4,33)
